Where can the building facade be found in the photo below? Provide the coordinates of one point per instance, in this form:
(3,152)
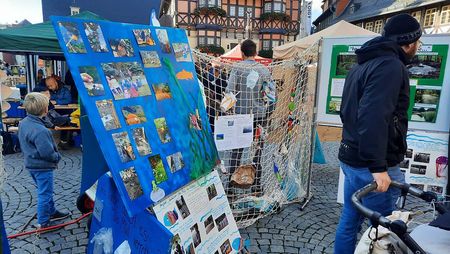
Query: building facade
(222,24)
(129,11)
(433,15)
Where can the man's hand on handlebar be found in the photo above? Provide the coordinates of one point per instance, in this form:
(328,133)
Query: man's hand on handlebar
(383,181)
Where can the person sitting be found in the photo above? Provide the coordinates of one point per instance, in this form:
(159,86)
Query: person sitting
(53,118)
(59,94)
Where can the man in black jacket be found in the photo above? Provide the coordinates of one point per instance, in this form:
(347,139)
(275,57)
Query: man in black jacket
(374,116)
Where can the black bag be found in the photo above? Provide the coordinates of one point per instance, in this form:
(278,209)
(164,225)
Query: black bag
(10,143)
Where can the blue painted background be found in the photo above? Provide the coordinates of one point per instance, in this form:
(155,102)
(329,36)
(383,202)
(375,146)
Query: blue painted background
(197,147)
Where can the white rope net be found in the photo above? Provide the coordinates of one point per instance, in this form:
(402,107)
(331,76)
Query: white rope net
(274,169)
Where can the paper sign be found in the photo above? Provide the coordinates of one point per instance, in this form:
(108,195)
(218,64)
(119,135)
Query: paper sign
(337,87)
(235,131)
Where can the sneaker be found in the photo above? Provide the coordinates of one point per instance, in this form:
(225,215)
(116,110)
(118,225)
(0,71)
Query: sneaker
(59,216)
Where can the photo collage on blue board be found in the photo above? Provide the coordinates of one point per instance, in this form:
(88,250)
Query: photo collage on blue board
(136,84)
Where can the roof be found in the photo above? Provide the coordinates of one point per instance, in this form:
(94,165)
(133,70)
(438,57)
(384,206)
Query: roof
(341,29)
(236,54)
(368,9)
(39,39)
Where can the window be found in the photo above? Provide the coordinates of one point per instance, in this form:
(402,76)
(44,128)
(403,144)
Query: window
(208,40)
(429,17)
(241,11)
(267,7)
(209,3)
(378,26)
(417,15)
(266,44)
(232,11)
(445,15)
(369,26)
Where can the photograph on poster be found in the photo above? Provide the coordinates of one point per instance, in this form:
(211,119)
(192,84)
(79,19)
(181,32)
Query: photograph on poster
(425,66)
(123,146)
(190,249)
(195,122)
(418,169)
(334,106)
(121,47)
(141,141)
(196,235)
(212,192)
(175,162)
(409,153)
(131,182)
(176,245)
(434,188)
(108,114)
(441,166)
(163,39)
(143,37)
(247,129)
(71,36)
(95,37)
(134,114)
(221,222)
(209,224)
(424,114)
(162,91)
(225,248)
(170,218)
(220,136)
(126,80)
(345,63)
(91,80)
(404,164)
(182,52)
(150,59)
(418,186)
(158,169)
(427,96)
(184,210)
(230,123)
(163,130)
(422,157)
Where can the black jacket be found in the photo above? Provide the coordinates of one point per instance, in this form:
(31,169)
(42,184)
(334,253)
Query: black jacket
(374,107)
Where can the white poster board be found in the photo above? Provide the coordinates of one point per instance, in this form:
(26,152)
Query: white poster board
(425,165)
(333,68)
(233,131)
(200,218)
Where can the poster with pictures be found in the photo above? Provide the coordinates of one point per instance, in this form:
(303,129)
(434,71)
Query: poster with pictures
(142,100)
(426,72)
(426,162)
(200,218)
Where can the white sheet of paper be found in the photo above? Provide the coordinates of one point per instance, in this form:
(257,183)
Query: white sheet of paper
(337,87)
(235,131)
(252,79)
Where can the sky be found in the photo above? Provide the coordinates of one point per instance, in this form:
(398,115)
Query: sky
(18,10)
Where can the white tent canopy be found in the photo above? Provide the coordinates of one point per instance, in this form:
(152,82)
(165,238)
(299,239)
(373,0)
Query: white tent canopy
(341,29)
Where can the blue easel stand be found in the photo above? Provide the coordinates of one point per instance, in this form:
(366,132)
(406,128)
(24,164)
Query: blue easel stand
(143,232)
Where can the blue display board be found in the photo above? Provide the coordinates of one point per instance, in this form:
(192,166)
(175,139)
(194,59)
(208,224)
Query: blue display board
(139,87)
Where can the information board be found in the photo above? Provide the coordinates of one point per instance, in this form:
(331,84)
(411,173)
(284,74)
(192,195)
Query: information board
(139,89)
(429,83)
(200,218)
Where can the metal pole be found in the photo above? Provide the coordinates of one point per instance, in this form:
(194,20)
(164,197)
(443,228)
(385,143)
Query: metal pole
(309,195)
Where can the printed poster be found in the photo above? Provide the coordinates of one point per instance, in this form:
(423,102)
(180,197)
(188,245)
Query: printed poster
(200,218)
(426,161)
(136,83)
(233,131)
(426,72)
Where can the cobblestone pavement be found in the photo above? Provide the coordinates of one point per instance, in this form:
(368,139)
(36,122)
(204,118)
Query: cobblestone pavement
(290,231)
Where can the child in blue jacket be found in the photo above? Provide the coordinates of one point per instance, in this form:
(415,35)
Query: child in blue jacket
(41,156)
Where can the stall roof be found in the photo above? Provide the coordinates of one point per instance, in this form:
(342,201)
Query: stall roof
(37,39)
(235,54)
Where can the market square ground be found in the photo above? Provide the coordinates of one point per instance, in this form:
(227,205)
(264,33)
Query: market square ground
(290,231)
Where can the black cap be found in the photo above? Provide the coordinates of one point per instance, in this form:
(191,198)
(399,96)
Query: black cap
(403,29)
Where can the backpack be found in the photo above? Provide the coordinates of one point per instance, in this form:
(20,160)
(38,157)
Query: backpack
(10,143)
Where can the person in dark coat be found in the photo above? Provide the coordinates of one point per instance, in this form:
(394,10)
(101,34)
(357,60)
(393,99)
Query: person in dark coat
(374,116)
(60,95)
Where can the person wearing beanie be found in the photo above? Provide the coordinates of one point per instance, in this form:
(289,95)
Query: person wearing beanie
(374,116)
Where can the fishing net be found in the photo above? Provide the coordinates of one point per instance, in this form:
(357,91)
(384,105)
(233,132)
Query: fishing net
(277,100)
